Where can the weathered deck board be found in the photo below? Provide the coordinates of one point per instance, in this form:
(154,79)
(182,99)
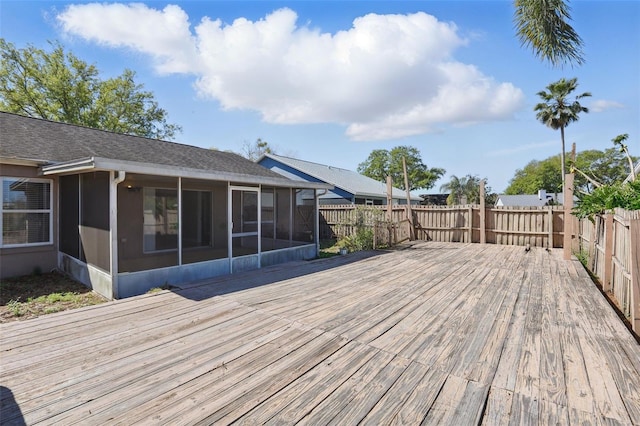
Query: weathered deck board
(435,333)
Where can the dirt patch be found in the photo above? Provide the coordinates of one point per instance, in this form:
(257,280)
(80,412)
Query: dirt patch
(35,295)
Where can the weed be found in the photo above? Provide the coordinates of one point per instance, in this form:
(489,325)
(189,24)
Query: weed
(32,295)
(16,308)
(165,286)
(583,257)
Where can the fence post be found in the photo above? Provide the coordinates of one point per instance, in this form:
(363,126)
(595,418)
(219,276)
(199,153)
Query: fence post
(412,230)
(375,228)
(608,251)
(550,220)
(483,214)
(470,212)
(568,223)
(594,235)
(634,230)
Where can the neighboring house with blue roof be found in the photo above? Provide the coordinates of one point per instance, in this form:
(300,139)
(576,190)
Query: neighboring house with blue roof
(349,187)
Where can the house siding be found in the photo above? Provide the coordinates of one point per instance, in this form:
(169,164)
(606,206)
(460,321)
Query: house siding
(17,261)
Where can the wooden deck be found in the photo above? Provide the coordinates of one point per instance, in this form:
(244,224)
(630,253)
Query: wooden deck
(436,334)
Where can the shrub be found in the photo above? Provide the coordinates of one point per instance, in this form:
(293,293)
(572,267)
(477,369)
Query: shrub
(607,197)
(362,220)
(362,239)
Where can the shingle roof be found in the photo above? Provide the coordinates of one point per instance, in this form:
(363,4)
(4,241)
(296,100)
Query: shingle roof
(350,181)
(48,142)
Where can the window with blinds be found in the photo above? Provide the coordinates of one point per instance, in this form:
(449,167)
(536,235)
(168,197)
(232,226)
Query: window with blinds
(26,212)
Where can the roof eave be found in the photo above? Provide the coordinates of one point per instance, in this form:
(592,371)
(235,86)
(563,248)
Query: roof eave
(97,163)
(13,161)
(82,164)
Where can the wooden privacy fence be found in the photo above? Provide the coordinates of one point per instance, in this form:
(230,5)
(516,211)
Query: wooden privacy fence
(611,246)
(536,226)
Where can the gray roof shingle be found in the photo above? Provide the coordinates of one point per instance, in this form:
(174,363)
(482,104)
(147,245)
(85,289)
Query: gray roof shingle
(49,142)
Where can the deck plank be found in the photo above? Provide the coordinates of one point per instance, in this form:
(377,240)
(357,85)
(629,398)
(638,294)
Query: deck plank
(433,333)
(292,402)
(343,394)
(498,410)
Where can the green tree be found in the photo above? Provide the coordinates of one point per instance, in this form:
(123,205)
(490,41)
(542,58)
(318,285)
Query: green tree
(58,86)
(557,111)
(382,163)
(543,25)
(464,190)
(607,195)
(606,166)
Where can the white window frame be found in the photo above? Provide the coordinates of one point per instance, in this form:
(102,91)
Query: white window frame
(49,211)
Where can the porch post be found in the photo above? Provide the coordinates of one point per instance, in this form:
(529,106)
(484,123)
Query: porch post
(113,229)
(483,214)
(568,218)
(316,222)
(230,226)
(260,226)
(179,221)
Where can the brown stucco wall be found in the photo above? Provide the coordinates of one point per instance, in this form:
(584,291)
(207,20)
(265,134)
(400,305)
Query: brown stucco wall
(25,260)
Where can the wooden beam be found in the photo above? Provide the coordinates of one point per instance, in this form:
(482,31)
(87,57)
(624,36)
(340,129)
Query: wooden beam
(550,220)
(568,218)
(594,234)
(483,214)
(634,228)
(412,231)
(389,198)
(608,251)
(470,224)
(389,209)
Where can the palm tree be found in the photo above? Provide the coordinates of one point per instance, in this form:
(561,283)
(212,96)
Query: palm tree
(455,187)
(462,190)
(543,26)
(557,111)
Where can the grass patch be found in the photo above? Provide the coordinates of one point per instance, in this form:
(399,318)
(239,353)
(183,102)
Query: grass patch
(159,289)
(34,295)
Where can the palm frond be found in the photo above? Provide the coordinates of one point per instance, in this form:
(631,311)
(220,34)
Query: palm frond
(543,26)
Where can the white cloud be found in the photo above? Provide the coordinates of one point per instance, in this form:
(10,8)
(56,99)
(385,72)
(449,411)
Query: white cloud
(388,76)
(600,105)
(165,34)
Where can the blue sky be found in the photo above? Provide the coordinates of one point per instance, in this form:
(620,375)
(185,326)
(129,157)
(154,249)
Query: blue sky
(331,81)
